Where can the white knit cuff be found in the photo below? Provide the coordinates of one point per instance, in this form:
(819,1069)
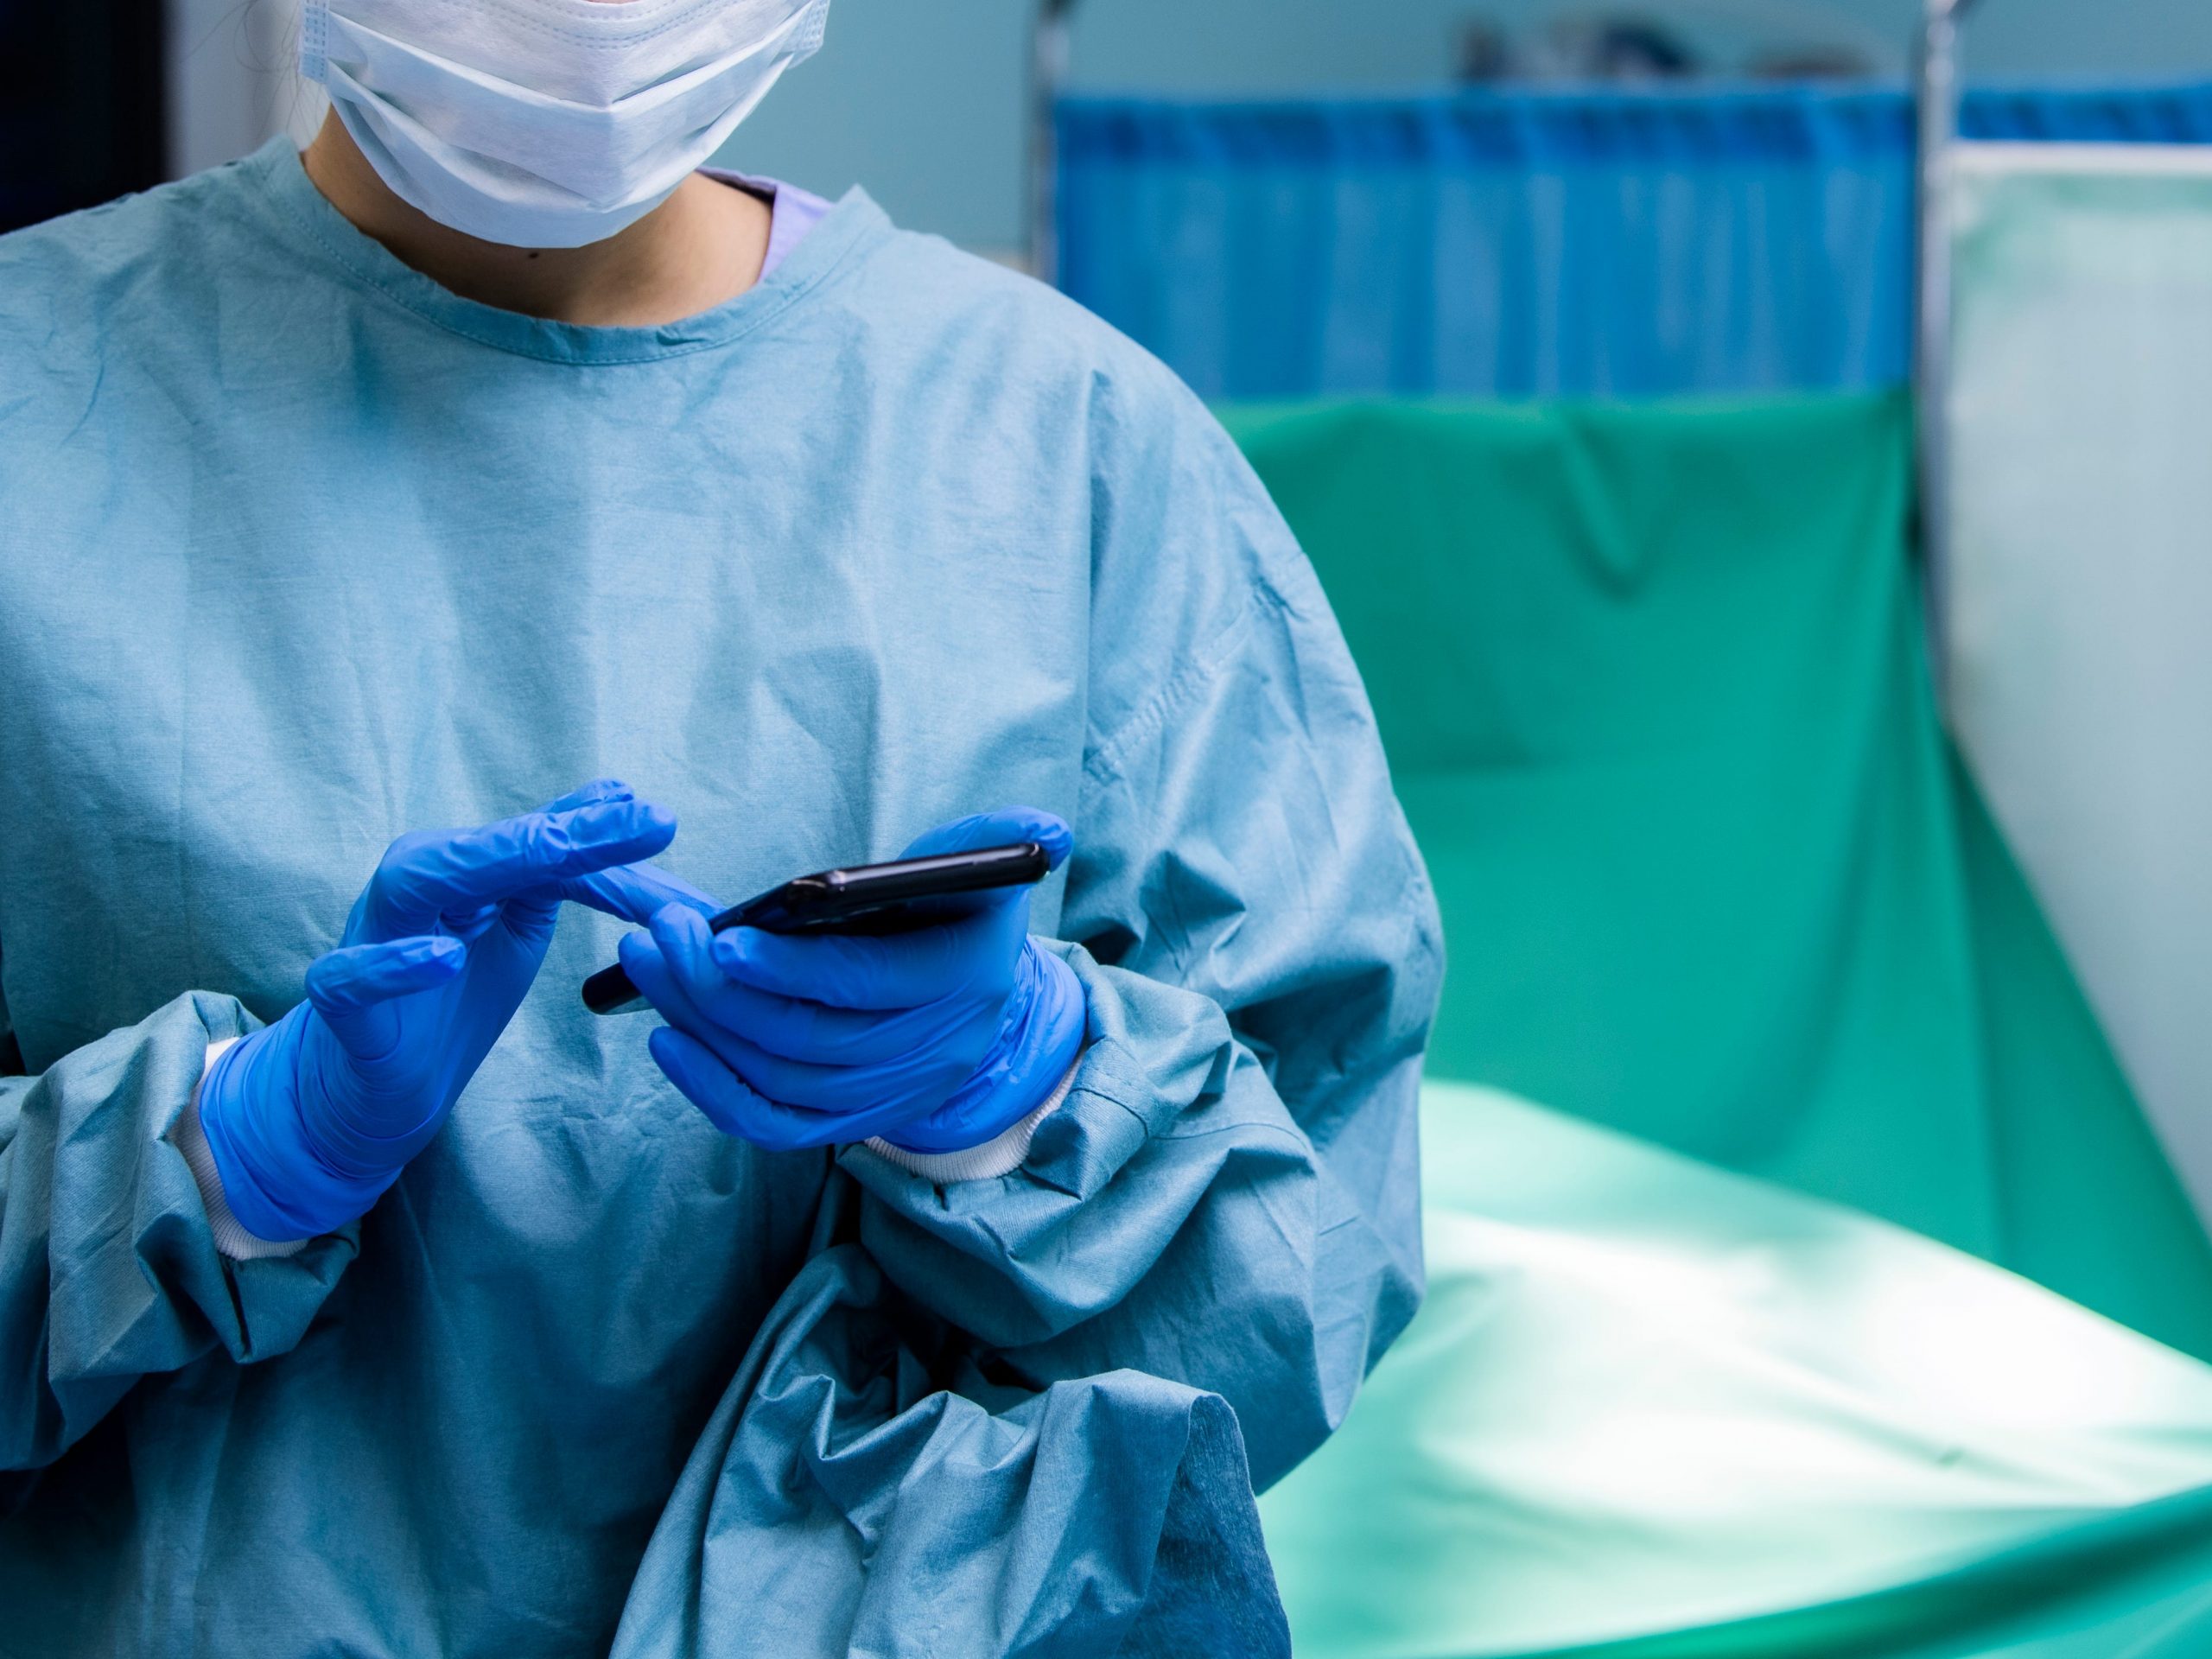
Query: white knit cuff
(1000,1155)
(188,1138)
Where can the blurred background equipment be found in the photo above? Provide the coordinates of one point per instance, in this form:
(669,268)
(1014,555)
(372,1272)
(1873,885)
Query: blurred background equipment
(1615,48)
(1687,40)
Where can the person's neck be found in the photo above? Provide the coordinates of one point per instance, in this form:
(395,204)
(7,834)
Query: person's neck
(702,246)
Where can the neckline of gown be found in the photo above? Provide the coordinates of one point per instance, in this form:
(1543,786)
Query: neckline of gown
(852,223)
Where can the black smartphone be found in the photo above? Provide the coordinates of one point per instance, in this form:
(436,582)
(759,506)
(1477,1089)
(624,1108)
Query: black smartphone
(896,898)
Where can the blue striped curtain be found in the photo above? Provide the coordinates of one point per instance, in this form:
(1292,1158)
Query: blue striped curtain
(1528,244)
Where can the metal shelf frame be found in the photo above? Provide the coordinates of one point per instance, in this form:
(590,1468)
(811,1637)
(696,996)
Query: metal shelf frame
(1936,101)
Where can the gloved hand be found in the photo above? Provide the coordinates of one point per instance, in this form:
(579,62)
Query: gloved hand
(309,1120)
(935,1040)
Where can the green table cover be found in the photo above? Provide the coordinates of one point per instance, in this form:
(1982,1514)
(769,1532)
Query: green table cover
(1653,1410)
(1654,690)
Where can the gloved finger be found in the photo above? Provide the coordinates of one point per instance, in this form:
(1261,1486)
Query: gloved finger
(635,892)
(911,1081)
(544,906)
(820,1087)
(597,791)
(468,925)
(648,970)
(1000,829)
(353,987)
(797,1028)
(424,874)
(729,1104)
(783,1024)
(898,970)
(735,1107)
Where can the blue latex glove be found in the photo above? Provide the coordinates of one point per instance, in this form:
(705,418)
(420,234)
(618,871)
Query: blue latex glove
(935,1040)
(309,1120)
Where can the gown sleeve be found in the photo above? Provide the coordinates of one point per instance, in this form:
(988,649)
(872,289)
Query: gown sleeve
(109,1271)
(989,1415)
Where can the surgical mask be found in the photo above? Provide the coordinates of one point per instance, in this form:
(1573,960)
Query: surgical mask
(548,124)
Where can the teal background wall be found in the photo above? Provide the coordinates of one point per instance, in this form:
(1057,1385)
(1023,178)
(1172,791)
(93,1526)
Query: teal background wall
(922,99)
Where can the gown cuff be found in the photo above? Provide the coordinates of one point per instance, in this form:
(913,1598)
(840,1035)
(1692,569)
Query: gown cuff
(230,1239)
(1000,1155)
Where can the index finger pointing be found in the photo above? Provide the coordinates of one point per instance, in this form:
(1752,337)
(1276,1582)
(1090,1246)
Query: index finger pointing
(429,874)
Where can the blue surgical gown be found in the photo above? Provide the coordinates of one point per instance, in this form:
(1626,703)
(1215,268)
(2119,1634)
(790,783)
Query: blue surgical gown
(299,551)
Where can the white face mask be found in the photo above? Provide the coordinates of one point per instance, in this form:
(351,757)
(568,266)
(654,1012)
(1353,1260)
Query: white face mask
(548,124)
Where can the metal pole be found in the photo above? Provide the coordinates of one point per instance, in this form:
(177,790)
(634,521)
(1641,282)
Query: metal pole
(1048,73)
(1935,97)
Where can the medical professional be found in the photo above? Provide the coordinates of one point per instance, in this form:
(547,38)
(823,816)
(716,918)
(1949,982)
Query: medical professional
(362,1293)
